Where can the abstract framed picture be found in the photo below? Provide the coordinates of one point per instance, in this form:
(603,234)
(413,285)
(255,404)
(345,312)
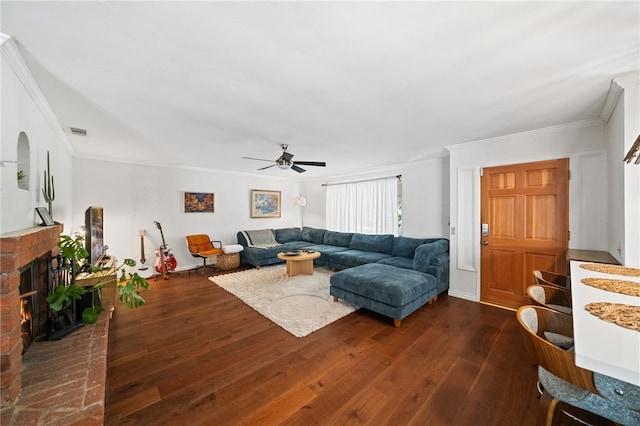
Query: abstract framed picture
(198,202)
(265,203)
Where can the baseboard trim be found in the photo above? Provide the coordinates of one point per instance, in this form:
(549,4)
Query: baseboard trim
(498,306)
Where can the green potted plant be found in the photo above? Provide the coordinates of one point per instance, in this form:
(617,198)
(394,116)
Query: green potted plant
(129,285)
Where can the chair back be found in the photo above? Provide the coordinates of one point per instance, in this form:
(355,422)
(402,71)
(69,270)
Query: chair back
(539,326)
(552,297)
(199,243)
(552,278)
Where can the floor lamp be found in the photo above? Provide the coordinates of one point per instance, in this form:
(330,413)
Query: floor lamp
(299,202)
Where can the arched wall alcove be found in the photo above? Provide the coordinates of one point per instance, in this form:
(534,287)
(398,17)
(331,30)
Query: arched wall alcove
(24,161)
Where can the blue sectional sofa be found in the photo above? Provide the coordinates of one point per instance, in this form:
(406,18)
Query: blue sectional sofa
(390,275)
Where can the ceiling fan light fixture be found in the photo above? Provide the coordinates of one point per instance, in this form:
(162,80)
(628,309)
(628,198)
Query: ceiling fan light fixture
(283,164)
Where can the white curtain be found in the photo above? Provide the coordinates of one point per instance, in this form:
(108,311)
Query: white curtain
(368,207)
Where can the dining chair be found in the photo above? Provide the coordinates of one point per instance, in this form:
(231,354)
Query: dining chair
(202,247)
(552,278)
(562,380)
(552,297)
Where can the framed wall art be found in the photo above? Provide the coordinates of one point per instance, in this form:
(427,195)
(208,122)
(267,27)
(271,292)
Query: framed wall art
(265,203)
(45,216)
(198,202)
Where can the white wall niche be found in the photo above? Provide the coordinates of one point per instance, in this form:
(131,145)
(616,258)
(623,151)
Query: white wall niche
(24,161)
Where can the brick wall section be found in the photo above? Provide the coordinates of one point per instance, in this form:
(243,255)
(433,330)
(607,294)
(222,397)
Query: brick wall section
(17,249)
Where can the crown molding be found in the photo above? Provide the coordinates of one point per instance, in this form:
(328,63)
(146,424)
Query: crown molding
(11,53)
(616,88)
(614,93)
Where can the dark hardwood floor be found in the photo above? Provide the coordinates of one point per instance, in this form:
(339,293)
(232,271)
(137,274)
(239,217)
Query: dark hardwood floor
(195,354)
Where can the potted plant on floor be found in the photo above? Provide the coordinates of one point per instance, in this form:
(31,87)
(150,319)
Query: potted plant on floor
(129,285)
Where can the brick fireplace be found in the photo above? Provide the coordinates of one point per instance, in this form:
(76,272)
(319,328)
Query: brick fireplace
(55,382)
(17,250)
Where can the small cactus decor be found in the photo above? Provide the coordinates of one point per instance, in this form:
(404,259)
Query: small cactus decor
(48,190)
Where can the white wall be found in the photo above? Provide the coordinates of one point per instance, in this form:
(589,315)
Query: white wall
(134,196)
(581,142)
(24,109)
(622,129)
(425,196)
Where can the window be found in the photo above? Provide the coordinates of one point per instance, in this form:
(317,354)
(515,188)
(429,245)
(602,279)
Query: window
(369,207)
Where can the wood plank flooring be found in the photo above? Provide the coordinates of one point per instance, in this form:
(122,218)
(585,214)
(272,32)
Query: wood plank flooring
(195,354)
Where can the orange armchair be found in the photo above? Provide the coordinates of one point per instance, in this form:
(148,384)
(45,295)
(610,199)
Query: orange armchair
(201,246)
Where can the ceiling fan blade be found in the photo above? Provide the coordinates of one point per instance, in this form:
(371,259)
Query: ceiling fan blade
(259,159)
(286,156)
(311,163)
(297,169)
(267,167)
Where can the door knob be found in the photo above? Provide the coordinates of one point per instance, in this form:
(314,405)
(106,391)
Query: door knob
(485,243)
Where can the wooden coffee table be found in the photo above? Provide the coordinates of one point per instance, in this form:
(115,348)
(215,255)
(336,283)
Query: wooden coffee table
(300,263)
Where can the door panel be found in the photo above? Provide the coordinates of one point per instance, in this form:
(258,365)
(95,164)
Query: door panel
(540,210)
(504,211)
(526,209)
(502,270)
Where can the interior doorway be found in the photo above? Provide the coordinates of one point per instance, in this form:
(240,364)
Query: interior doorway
(524,226)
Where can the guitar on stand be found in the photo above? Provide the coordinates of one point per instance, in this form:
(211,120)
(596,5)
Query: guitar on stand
(165,260)
(143,268)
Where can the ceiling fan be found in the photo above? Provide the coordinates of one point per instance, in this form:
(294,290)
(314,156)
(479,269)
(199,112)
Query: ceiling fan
(285,162)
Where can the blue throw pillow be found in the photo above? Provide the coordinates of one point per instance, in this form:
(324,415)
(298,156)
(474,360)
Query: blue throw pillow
(339,239)
(405,246)
(313,235)
(286,235)
(377,243)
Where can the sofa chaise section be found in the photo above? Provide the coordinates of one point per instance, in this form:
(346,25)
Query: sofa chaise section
(388,290)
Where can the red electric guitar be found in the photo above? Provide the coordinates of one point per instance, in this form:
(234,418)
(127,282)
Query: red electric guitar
(165,260)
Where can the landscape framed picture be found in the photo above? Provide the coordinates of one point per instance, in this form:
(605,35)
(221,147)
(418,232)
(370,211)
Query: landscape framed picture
(198,202)
(265,203)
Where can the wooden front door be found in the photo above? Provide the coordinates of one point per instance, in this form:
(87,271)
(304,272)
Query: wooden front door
(525,219)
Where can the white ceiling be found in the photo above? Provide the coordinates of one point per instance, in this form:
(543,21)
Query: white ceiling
(355,84)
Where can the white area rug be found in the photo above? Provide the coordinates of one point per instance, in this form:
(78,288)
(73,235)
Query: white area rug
(300,305)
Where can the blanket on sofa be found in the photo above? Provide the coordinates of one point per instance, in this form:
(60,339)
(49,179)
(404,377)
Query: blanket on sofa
(263,238)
